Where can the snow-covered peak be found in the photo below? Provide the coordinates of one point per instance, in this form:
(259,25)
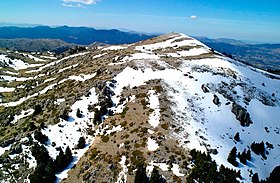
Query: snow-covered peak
(150,102)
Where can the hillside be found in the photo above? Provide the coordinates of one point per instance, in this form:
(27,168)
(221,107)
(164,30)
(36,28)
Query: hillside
(164,109)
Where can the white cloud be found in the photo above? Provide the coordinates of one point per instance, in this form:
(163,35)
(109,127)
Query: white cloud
(194,17)
(67,5)
(73,5)
(79,2)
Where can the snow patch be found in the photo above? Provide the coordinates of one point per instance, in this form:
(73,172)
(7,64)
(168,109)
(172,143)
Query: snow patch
(152,144)
(22,115)
(154,104)
(67,68)
(114,48)
(59,101)
(122,175)
(5,89)
(176,170)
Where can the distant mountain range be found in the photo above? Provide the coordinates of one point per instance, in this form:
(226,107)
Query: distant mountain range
(31,45)
(76,35)
(59,39)
(266,56)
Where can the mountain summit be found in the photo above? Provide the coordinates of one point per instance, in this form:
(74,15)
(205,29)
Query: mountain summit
(164,109)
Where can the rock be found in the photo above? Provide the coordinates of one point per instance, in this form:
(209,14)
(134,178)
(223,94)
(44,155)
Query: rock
(241,115)
(216,100)
(204,88)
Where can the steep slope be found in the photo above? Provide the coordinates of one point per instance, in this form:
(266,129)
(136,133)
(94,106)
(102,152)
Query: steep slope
(126,108)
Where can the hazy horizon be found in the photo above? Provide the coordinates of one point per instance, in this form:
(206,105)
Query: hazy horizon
(250,20)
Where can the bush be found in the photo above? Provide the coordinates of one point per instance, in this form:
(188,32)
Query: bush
(97,119)
(32,126)
(104,138)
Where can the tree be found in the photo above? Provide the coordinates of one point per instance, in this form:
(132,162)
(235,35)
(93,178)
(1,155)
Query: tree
(79,114)
(232,157)
(37,110)
(63,159)
(258,148)
(65,115)
(141,176)
(60,161)
(255,178)
(237,137)
(243,157)
(156,177)
(32,126)
(275,175)
(81,143)
(45,170)
(68,154)
(248,155)
(43,139)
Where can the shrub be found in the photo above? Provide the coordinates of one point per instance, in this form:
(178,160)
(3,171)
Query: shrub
(104,138)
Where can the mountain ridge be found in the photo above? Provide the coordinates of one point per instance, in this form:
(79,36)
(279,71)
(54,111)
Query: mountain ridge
(144,104)
(76,35)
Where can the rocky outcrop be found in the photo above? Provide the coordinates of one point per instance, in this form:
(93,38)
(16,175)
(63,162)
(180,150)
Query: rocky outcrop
(241,115)
(216,100)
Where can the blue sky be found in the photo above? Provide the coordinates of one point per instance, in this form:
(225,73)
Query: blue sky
(240,19)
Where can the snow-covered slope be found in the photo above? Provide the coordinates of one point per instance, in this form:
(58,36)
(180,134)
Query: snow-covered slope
(190,97)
